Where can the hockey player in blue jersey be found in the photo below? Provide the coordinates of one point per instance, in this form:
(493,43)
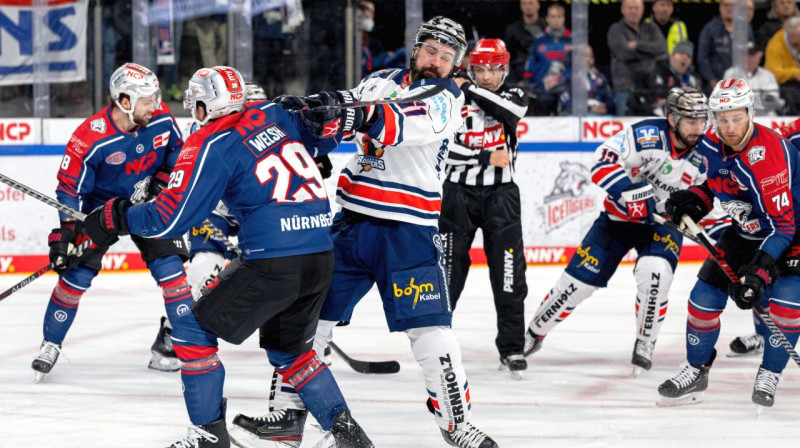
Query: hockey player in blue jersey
(258,161)
(387,233)
(639,167)
(108,155)
(753,172)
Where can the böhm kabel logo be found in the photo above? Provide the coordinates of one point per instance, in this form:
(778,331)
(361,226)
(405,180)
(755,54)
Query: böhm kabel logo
(423,291)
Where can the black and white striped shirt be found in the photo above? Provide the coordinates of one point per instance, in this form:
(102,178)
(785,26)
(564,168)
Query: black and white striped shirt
(490,124)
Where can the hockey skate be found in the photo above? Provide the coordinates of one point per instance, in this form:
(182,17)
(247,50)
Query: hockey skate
(642,356)
(764,389)
(277,429)
(515,364)
(164,357)
(533,342)
(346,433)
(211,435)
(687,387)
(468,437)
(48,355)
(751,345)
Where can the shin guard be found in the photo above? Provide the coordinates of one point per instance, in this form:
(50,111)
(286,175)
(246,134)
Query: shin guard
(653,279)
(706,303)
(566,294)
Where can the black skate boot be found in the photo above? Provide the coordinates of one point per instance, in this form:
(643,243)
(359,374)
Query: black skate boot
(764,388)
(642,356)
(533,342)
(346,433)
(282,428)
(164,357)
(687,386)
(43,364)
(211,435)
(468,437)
(515,364)
(751,345)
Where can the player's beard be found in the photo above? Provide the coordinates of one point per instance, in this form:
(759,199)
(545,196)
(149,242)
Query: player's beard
(423,73)
(142,120)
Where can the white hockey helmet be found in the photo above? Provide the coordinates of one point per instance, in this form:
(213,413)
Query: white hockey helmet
(221,89)
(135,81)
(445,31)
(731,94)
(254,92)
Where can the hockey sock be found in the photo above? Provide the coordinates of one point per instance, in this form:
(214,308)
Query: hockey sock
(313,382)
(170,276)
(202,372)
(565,295)
(702,325)
(438,354)
(784,310)
(64,301)
(283,395)
(203,269)
(653,278)
(761,327)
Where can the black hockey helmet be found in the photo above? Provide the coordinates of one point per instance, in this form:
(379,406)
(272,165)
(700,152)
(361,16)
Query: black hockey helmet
(445,31)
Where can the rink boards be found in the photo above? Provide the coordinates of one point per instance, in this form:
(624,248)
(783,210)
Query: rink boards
(559,201)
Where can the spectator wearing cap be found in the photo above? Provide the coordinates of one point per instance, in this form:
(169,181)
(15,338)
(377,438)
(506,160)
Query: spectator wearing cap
(782,53)
(519,36)
(777,15)
(635,47)
(762,82)
(674,72)
(674,30)
(715,46)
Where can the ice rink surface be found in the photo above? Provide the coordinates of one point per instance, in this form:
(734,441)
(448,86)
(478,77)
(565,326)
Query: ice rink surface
(577,392)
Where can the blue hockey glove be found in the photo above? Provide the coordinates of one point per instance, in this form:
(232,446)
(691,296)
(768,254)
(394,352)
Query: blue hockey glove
(107,223)
(640,202)
(753,278)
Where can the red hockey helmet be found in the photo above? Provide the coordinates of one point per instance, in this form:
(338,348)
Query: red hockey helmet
(490,52)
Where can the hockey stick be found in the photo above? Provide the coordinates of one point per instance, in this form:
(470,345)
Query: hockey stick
(379,367)
(699,236)
(42,197)
(217,235)
(435,90)
(44,270)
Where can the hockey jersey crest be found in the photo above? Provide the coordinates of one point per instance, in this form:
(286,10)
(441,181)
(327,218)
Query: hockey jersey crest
(644,152)
(399,178)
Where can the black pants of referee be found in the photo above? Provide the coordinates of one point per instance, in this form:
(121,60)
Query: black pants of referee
(496,211)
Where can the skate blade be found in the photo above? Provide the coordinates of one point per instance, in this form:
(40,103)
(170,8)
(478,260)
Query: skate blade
(244,439)
(750,354)
(637,371)
(515,375)
(759,410)
(38,376)
(164,364)
(692,398)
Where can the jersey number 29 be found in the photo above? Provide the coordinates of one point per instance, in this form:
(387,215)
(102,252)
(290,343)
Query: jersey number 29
(293,160)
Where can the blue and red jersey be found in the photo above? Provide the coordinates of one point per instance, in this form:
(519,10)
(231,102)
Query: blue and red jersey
(756,186)
(259,162)
(102,162)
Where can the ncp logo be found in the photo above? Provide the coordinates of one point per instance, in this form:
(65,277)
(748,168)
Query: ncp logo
(423,291)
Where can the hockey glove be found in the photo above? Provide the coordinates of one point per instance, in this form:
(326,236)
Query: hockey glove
(61,242)
(695,202)
(325,166)
(325,123)
(640,202)
(149,187)
(291,102)
(753,278)
(107,223)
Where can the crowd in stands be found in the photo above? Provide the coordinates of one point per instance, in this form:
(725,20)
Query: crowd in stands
(650,55)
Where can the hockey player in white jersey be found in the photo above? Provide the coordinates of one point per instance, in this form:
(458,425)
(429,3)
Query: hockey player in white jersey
(639,167)
(387,233)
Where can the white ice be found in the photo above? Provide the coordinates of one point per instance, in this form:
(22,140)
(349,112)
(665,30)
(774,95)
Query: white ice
(577,392)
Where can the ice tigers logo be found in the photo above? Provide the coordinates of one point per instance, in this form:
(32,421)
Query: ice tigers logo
(737,210)
(572,179)
(755,154)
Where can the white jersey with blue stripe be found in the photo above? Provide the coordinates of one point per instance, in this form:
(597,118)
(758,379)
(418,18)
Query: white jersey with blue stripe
(644,152)
(401,179)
